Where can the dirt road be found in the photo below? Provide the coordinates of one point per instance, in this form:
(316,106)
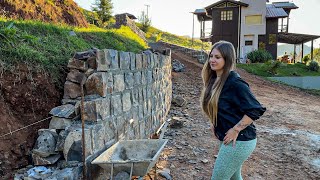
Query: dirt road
(288,133)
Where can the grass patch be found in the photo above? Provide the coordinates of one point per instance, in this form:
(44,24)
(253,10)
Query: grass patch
(50,46)
(263,69)
(154,35)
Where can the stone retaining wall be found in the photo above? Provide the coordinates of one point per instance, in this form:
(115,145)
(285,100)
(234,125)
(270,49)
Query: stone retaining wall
(123,19)
(127,96)
(201,55)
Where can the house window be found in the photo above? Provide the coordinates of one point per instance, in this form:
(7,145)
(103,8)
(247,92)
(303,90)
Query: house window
(248,43)
(226,15)
(254,19)
(272,39)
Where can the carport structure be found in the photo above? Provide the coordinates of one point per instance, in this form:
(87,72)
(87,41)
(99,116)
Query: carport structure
(297,39)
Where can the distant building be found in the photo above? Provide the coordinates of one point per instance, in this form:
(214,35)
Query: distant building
(250,25)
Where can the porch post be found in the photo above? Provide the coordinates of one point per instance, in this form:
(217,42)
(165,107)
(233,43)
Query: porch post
(311,50)
(302,52)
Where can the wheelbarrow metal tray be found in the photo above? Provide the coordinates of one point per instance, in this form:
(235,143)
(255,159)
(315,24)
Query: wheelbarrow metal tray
(143,153)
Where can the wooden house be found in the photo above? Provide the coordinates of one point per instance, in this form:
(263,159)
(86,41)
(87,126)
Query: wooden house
(250,25)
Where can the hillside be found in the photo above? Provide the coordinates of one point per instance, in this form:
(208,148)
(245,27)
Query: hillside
(33,59)
(153,35)
(56,11)
(289,48)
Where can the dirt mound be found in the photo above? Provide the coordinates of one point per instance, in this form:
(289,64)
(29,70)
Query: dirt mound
(25,97)
(59,11)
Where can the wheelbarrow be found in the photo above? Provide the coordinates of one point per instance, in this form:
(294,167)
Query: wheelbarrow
(136,157)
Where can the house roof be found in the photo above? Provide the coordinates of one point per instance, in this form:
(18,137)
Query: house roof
(294,38)
(129,15)
(200,11)
(224,1)
(285,5)
(202,15)
(273,12)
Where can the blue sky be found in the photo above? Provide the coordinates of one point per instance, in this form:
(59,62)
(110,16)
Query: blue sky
(174,15)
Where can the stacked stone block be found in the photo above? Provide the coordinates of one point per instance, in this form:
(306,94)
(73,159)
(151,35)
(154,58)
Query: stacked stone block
(127,96)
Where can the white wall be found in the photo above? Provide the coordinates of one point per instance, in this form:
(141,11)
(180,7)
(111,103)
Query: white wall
(256,7)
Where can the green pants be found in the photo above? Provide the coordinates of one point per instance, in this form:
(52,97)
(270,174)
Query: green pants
(230,159)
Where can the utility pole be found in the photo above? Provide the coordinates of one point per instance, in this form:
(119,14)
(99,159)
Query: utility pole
(192,28)
(147,9)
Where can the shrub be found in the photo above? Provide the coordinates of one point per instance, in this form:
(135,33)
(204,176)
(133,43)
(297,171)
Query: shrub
(306,59)
(274,67)
(259,56)
(313,66)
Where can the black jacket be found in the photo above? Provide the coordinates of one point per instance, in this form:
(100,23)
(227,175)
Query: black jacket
(236,100)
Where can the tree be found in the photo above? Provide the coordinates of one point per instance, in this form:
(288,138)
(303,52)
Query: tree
(104,9)
(145,22)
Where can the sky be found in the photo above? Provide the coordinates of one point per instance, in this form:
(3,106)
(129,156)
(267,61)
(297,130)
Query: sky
(174,15)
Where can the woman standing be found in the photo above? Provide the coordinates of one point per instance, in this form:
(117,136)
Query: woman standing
(231,107)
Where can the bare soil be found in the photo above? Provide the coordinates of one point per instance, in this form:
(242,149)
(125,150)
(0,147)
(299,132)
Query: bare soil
(288,133)
(25,97)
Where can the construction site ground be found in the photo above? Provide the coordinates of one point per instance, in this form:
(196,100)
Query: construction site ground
(288,133)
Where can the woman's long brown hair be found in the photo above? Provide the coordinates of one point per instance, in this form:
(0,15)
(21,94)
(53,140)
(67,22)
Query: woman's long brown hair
(212,86)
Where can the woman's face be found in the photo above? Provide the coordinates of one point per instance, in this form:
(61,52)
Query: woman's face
(216,61)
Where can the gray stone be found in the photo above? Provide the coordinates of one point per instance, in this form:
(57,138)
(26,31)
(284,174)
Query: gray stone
(78,64)
(135,96)
(165,173)
(177,66)
(144,61)
(116,105)
(119,84)
(132,61)
(110,129)
(97,84)
(98,137)
(61,139)
(122,176)
(67,174)
(38,160)
(71,90)
(103,60)
(138,61)
(97,109)
(76,76)
(72,150)
(84,55)
(124,60)
(156,60)
(68,164)
(178,100)
(92,62)
(143,78)
(112,56)
(149,77)
(137,78)
(59,123)
(129,80)
(126,102)
(72,33)
(46,143)
(69,101)
(64,111)
(39,172)
(89,72)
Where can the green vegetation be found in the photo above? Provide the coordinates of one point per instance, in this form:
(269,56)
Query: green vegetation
(49,46)
(103,8)
(154,35)
(259,56)
(145,22)
(276,69)
(313,66)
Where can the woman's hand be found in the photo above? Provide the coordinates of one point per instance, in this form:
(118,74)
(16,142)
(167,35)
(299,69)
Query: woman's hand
(231,135)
